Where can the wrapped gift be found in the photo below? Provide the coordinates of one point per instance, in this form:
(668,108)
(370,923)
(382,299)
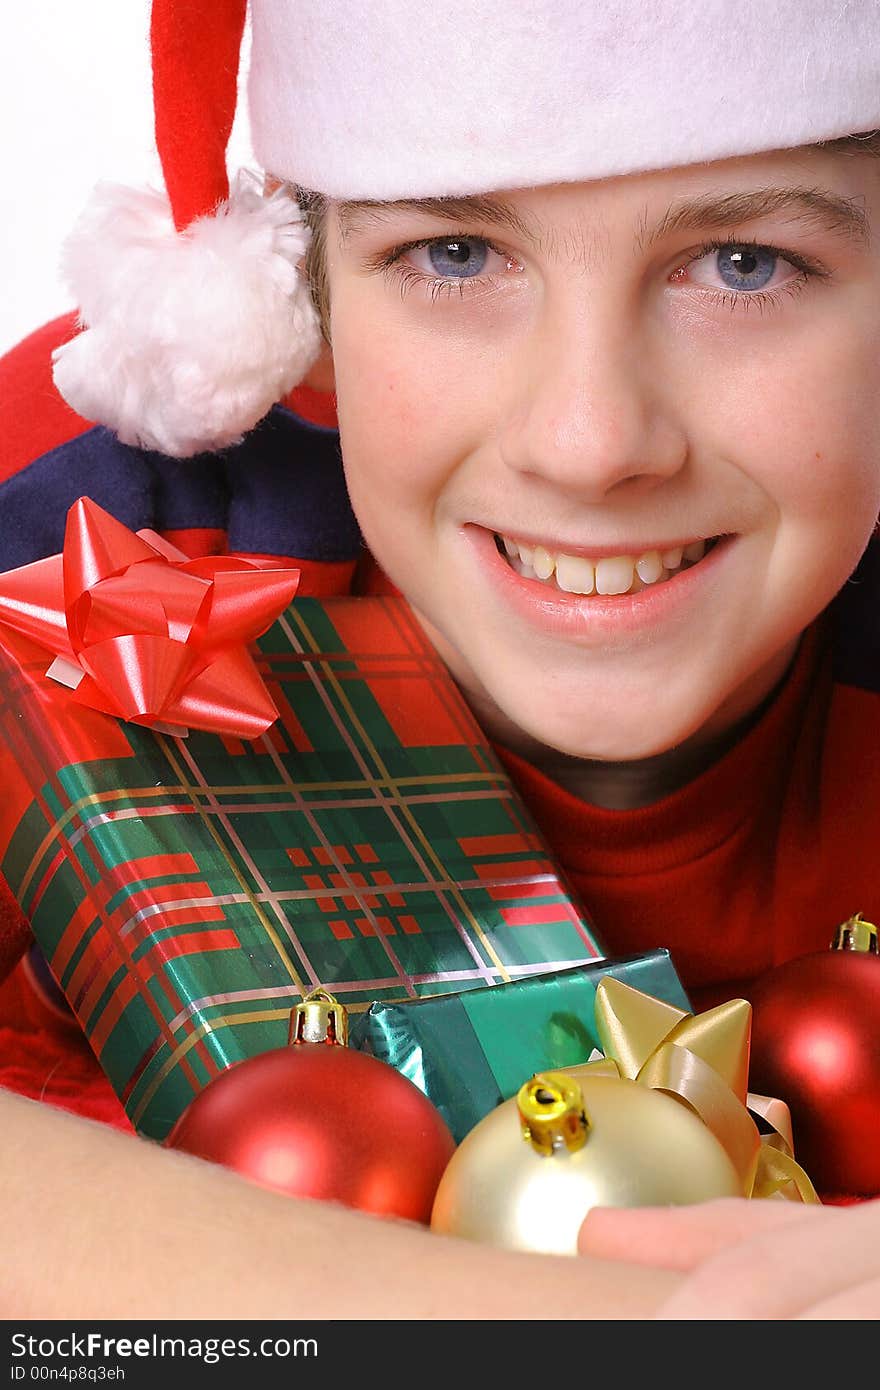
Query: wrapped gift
(188,891)
(469,1051)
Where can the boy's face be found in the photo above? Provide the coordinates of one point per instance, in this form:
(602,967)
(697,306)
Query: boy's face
(560,390)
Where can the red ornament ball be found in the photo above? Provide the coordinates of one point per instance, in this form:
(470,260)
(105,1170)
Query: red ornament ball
(815,1044)
(320,1120)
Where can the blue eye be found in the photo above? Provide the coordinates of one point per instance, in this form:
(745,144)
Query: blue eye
(443,265)
(457,258)
(746,267)
(744,273)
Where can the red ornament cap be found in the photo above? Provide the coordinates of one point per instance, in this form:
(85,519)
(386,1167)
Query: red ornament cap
(855,934)
(320,1018)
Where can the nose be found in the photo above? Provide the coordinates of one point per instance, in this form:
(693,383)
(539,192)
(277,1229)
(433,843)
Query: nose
(591,406)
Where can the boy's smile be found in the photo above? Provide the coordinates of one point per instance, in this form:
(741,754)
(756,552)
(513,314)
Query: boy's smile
(627,573)
(618,443)
(584,596)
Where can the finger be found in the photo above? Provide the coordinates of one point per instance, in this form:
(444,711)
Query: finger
(863,1302)
(787,1273)
(680,1237)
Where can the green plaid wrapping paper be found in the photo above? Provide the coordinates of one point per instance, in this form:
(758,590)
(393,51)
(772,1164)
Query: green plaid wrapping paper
(187,892)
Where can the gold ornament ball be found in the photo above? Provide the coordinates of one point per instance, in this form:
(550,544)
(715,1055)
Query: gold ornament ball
(528,1173)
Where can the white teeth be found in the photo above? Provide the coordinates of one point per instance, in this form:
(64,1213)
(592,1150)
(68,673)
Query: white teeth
(526,553)
(574,575)
(695,551)
(649,567)
(543,562)
(614,576)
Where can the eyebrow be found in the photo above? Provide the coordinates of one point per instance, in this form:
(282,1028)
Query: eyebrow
(811,206)
(354,216)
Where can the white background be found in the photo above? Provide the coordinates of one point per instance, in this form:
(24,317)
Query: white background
(75,108)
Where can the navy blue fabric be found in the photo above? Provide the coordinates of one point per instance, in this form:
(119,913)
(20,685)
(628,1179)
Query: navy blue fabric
(280,492)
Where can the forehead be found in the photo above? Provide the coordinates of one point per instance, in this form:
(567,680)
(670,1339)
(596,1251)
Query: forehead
(823,187)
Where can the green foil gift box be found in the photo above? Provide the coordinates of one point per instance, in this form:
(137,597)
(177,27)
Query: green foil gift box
(187,892)
(471,1050)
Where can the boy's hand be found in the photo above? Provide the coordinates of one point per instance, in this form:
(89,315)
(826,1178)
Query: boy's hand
(751,1259)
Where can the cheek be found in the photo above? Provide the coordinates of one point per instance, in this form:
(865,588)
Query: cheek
(381,394)
(393,433)
(803,425)
(411,407)
(422,377)
(384,428)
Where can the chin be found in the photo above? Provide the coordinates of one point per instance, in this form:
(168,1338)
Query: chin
(597,739)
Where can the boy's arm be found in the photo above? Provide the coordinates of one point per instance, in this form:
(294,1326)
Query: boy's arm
(107,1225)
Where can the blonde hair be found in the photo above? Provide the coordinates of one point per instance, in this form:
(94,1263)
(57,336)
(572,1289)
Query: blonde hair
(314,206)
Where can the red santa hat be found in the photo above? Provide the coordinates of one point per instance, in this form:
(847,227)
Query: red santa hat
(196,317)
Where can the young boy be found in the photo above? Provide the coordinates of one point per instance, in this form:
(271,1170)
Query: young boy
(599,299)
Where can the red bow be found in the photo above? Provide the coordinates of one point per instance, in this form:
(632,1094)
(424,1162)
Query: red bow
(145,634)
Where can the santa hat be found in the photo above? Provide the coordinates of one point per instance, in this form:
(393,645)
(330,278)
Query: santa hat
(196,317)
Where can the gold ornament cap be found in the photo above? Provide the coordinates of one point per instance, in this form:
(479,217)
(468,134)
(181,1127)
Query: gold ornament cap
(319,1018)
(855,934)
(551,1109)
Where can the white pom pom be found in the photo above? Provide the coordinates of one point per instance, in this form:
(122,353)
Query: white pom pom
(189,338)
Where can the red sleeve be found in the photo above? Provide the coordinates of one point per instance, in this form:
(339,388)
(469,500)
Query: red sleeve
(33,416)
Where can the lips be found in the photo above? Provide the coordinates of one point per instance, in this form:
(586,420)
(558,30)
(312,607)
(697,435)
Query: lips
(593,621)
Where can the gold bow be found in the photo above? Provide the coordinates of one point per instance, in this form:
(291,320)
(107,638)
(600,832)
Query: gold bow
(702,1061)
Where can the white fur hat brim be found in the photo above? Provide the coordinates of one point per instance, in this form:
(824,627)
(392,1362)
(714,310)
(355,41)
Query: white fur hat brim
(406,99)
